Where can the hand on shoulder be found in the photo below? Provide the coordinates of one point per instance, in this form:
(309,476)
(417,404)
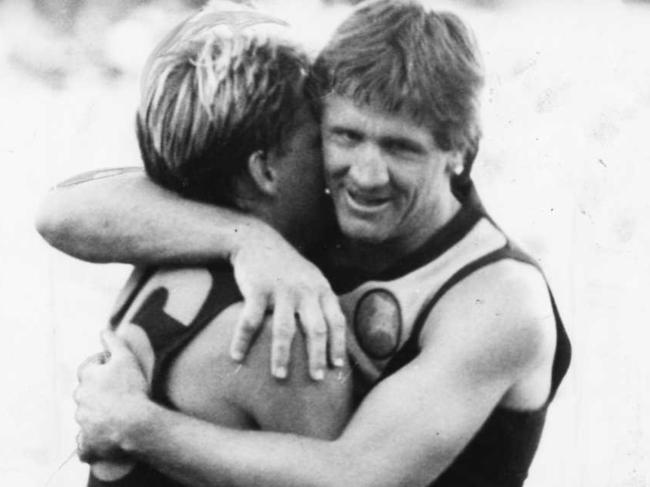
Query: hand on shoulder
(273,277)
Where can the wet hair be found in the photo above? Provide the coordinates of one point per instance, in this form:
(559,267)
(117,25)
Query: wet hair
(402,58)
(214,91)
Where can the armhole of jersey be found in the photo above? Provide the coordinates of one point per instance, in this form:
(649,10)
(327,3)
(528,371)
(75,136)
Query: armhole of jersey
(562,358)
(134,284)
(411,347)
(223,293)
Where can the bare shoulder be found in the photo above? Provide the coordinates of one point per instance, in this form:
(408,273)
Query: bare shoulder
(501,315)
(205,378)
(296,404)
(204,369)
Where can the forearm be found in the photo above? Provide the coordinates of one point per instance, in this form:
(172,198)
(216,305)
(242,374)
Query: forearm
(121,216)
(128,218)
(199,453)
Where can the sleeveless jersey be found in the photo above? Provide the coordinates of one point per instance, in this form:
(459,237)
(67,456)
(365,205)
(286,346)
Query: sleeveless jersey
(387,311)
(170,320)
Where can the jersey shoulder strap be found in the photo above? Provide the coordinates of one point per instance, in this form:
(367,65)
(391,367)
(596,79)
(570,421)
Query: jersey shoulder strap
(136,281)
(411,347)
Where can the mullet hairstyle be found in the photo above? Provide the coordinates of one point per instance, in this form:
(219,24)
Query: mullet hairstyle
(214,91)
(401,58)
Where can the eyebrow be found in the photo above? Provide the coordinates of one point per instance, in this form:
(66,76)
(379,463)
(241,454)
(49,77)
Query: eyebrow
(405,141)
(339,127)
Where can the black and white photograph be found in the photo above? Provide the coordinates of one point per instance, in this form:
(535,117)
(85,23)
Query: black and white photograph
(384,243)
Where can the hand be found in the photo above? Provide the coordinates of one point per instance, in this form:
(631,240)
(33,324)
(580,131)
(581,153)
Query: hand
(110,397)
(271,274)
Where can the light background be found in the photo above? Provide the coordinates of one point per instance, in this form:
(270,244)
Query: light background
(563,167)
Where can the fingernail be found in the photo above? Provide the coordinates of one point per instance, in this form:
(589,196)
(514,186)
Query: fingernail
(338,362)
(237,356)
(319,374)
(281,372)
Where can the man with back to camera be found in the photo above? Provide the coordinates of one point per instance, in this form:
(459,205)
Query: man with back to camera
(462,334)
(243,103)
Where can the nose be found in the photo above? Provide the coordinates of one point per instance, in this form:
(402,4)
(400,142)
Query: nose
(369,169)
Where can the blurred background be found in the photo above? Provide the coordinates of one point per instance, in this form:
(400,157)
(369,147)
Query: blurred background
(564,166)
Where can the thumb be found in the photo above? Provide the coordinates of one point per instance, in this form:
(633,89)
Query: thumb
(113,344)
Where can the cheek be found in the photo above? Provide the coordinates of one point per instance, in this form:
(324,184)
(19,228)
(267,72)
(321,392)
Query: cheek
(334,160)
(414,187)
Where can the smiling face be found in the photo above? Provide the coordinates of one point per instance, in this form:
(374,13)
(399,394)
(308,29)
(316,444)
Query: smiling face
(389,181)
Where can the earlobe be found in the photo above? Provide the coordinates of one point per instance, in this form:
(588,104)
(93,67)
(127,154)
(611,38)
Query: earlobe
(262,172)
(455,163)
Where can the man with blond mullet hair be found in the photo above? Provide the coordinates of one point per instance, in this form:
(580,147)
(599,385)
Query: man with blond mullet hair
(223,119)
(457,345)
(198,122)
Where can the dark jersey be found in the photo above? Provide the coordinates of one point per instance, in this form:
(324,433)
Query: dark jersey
(172,306)
(388,310)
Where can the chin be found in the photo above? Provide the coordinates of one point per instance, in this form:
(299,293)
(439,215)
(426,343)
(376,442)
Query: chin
(366,234)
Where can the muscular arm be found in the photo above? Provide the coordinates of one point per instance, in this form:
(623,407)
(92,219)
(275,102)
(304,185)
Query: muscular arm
(410,427)
(119,215)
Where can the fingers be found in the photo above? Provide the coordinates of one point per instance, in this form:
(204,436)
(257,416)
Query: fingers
(336,327)
(313,324)
(95,359)
(250,321)
(284,329)
(85,454)
(114,345)
(82,452)
(321,319)
(76,396)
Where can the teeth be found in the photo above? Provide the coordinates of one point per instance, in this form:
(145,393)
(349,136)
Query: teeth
(366,201)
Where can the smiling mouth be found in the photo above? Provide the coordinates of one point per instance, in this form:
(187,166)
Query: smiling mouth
(365,202)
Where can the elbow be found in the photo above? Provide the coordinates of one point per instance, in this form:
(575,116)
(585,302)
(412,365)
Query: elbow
(49,222)
(56,223)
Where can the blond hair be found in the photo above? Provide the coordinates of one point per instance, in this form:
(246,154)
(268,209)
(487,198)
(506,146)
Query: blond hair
(216,89)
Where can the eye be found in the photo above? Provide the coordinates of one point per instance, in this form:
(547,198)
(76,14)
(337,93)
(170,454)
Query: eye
(344,136)
(401,147)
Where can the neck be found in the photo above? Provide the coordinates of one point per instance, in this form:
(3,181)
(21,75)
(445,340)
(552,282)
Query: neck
(294,234)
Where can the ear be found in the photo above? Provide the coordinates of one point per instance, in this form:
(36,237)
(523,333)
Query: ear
(262,171)
(455,162)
